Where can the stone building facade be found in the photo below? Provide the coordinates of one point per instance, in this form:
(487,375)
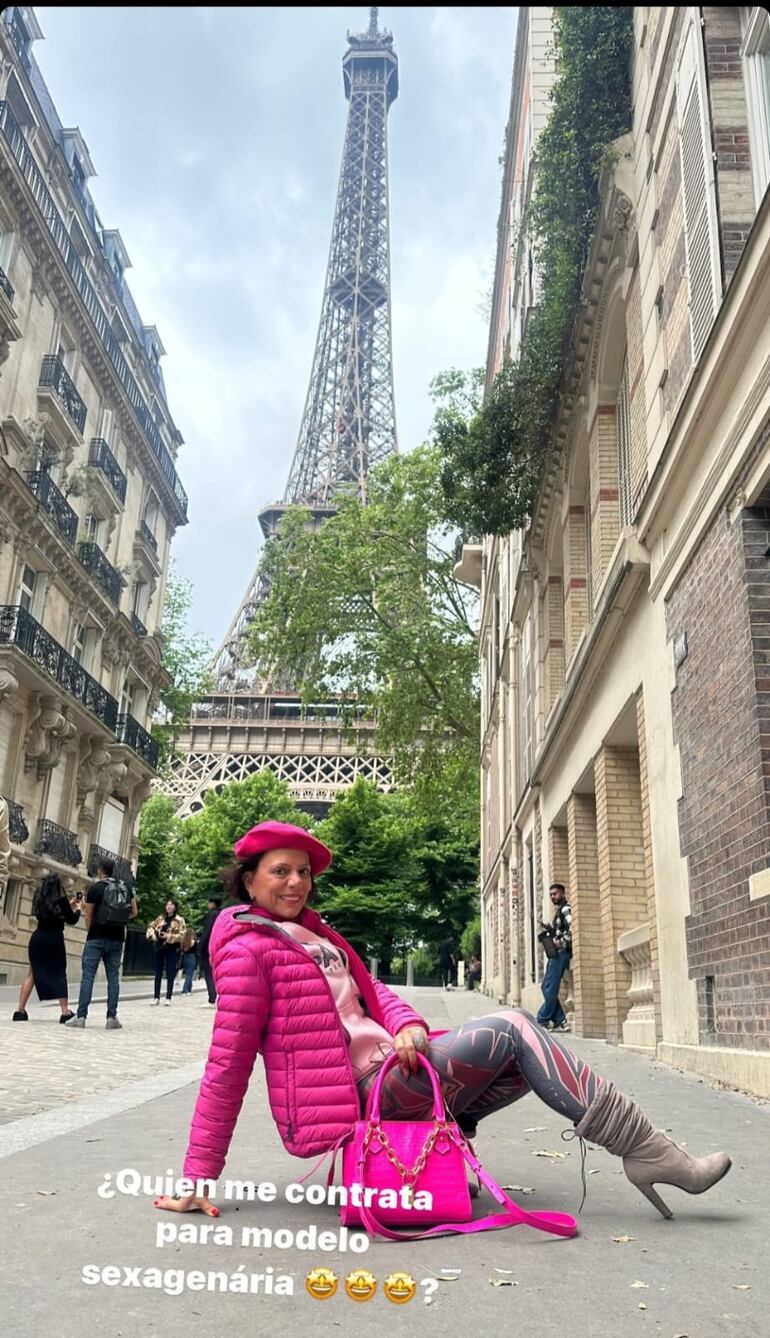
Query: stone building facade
(89,502)
(625,661)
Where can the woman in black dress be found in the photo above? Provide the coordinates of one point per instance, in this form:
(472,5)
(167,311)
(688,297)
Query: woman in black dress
(47,954)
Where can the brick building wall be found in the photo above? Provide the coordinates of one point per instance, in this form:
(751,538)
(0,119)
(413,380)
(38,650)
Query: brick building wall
(721,714)
(637,406)
(730,131)
(622,876)
(649,872)
(575,584)
(587,970)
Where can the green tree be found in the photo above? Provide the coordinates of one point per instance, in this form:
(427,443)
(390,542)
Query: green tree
(185,657)
(399,879)
(206,839)
(156,874)
(470,939)
(367,606)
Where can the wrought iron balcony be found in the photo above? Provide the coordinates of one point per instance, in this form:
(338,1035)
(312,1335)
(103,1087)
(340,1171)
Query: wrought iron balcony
(54,374)
(138,625)
(19,628)
(57,842)
(104,573)
(146,533)
(20,38)
(17,827)
(42,486)
(100,457)
(123,869)
(52,220)
(130,731)
(6,285)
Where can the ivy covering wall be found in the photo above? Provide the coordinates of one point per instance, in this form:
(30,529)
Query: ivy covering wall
(493,463)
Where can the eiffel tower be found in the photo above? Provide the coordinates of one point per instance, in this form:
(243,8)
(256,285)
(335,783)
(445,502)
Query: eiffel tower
(348,426)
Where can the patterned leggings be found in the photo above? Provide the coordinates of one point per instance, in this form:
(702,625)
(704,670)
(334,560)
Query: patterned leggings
(488,1064)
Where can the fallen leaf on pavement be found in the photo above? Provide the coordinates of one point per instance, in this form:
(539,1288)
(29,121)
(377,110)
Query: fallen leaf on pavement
(642,1306)
(640,1284)
(596,1171)
(536,1129)
(502,1270)
(623,1240)
(47,1192)
(545,1152)
(519,1189)
(503,1282)
(741,1287)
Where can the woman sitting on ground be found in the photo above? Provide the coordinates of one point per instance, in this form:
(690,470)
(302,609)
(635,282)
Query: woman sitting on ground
(292,989)
(47,952)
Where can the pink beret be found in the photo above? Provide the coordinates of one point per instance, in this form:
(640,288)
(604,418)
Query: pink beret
(283,836)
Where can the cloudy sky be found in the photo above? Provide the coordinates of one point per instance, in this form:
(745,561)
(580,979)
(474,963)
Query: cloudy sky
(216,135)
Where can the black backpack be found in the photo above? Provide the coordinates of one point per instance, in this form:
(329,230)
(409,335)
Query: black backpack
(115,905)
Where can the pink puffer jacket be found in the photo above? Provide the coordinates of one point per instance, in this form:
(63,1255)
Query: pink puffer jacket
(273,999)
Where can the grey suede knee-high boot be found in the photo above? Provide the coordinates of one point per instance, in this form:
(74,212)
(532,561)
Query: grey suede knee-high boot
(616,1123)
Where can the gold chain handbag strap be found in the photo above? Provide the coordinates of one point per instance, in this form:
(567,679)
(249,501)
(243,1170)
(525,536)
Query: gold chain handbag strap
(375,1132)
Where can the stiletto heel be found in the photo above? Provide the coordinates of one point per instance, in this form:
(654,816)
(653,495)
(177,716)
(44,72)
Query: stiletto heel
(655,1200)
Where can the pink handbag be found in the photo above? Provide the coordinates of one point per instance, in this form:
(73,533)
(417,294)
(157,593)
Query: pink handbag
(422,1165)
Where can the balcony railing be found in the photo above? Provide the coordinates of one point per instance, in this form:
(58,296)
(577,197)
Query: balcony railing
(9,127)
(130,731)
(146,533)
(54,374)
(123,869)
(101,457)
(20,38)
(138,625)
(57,842)
(6,285)
(17,827)
(104,573)
(42,486)
(19,628)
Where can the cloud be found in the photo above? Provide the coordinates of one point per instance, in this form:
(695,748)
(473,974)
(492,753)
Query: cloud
(217,137)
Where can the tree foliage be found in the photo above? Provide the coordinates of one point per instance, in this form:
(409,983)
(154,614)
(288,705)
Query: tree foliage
(156,874)
(185,657)
(399,879)
(367,606)
(493,460)
(206,839)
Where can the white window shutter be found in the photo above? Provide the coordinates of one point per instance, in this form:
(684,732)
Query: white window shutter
(698,186)
(56,791)
(111,826)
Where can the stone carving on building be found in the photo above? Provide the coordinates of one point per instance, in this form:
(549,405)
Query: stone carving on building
(94,757)
(111,777)
(9,683)
(47,732)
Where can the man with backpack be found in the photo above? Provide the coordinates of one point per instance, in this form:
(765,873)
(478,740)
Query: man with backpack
(109,906)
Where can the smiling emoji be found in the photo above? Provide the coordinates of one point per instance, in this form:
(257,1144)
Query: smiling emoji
(400,1288)
(321,1283)
(360,1285)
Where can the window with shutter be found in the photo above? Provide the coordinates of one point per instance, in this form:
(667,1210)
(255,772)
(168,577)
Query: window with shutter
(698,187)
(55,792)
(111,826)
(623,431)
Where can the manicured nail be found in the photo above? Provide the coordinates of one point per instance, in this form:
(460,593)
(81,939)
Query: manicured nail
(215,1212)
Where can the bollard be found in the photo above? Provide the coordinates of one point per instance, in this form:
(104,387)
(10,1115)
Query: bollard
(373,967)
(410,972)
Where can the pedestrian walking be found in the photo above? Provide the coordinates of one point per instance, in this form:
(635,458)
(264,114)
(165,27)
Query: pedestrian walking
(109,905)
(447,962)
(293,990)
(166,934)
(47,952)
(214,907)
(557,941)
(189,959)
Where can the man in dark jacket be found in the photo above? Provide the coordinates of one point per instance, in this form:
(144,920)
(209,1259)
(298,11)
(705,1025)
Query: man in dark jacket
(215,906)
(552,1015)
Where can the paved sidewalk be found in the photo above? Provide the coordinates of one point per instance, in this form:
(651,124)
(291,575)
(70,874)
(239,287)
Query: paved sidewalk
(702,1275)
